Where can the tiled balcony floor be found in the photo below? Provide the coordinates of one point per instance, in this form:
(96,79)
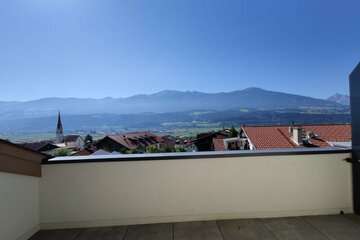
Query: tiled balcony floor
(335,227)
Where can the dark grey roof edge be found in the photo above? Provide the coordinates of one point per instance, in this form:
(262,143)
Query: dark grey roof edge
(193,155)
(44,155)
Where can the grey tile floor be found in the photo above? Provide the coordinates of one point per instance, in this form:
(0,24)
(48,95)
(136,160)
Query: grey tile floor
(335,227)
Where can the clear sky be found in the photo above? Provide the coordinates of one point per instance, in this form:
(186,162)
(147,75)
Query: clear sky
(119,48)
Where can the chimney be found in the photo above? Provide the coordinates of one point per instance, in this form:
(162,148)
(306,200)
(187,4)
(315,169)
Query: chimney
(296,134)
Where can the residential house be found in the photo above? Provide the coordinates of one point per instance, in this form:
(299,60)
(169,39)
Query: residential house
(190,146)
(83,152)
(275,137)
(41,146)
(136,141)
(228,144)
(74,142)
(204,141)
(166,142)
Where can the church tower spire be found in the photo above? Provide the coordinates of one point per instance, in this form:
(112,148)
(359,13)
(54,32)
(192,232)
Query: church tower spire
(59,130)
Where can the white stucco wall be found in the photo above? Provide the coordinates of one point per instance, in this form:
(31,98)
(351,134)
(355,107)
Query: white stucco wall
(80,143)
(19,206)
(135,192)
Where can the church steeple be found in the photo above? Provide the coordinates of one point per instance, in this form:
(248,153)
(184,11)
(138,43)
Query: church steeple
(59,130)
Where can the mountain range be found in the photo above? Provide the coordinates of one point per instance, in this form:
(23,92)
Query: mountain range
(162,102)
(168,110)
(340,98)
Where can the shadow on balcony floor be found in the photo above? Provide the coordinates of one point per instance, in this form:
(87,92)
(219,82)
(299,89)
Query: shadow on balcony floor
(334,227)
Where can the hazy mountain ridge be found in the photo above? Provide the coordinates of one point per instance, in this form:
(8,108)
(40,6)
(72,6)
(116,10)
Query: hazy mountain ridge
(161,102)
(340,98)
(168,110)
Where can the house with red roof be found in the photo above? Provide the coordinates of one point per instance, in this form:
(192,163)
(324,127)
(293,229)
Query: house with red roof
(301,136)
(40,146)
(228,144)
(136,141)
(205,142)
(83,152)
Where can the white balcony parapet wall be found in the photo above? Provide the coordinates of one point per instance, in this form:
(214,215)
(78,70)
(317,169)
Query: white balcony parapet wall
(92,194)
(19,206)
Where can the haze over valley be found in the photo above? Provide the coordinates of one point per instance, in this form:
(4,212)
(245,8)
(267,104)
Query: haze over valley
(170,111)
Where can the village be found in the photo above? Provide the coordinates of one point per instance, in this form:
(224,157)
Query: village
(180,120)
(226,139)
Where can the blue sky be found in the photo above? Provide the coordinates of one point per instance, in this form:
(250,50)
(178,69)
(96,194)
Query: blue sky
(64,48)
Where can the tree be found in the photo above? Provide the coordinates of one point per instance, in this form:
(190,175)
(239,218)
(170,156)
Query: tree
(152,149)
(88,140)
(135,151)
(62,152)
(233,132)
(180,149)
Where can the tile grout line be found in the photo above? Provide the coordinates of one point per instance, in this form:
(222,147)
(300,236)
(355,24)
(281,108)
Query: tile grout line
(267,228)
(79,233)
(222,235)
(324,234)
(126,232)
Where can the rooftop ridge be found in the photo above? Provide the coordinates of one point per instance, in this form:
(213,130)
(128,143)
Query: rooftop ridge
(292,143)
(298,125)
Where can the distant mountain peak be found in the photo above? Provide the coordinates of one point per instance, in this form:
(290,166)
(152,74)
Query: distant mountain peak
(340,98)
(166,92)
(253,89)
(338,95)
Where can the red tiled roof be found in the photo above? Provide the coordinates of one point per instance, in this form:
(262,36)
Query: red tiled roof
(84,152)
(71,138)
(133,140)
(223,132)
(36,146)
(331,133)
(218,144)
(189,143)
(267,137)
(165,139)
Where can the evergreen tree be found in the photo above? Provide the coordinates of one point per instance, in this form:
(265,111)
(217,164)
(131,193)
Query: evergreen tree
(88,140)
(233,132)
